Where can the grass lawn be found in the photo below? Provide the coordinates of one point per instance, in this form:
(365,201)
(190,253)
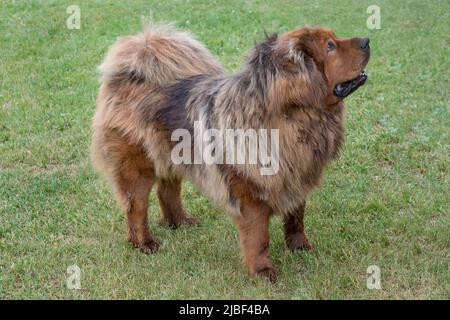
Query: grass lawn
(385,202)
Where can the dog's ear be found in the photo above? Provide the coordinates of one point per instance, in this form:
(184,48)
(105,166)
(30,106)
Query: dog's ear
(302,77)
(294,54)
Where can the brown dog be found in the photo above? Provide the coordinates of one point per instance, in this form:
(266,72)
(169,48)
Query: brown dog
(163,80)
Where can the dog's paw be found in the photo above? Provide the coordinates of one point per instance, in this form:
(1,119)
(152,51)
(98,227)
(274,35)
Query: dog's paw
(189,221)
(148,247)
(269,273)
(264,269)
(299,241)
(184,221)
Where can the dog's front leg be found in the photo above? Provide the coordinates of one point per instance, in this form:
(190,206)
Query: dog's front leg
(253,226)
(294,230)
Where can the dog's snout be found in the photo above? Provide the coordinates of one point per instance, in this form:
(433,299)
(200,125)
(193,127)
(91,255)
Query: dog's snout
(364,43)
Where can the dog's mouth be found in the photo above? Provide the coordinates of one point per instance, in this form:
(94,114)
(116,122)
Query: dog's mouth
(346,88)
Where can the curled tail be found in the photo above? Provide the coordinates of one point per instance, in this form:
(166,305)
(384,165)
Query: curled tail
(160,55)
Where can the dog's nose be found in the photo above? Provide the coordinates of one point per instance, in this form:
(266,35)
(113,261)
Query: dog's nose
(364,43)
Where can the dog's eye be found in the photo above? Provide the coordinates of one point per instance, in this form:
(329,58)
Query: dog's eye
(331,46)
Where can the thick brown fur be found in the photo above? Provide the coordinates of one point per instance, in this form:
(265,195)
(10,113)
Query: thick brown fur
(163,79)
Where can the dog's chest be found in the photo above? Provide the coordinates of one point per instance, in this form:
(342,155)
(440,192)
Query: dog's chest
(309,144)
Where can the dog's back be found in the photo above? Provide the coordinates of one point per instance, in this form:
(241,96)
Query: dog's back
(134,73)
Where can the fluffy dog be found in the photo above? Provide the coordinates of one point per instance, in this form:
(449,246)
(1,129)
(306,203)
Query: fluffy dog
(163,79)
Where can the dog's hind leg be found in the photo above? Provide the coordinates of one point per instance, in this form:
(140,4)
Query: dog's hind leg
(133,175)
(172,211)
(294,230)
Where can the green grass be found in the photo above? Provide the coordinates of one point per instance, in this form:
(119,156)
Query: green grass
(385,202)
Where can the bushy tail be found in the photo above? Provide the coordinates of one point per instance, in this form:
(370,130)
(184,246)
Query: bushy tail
(160,55)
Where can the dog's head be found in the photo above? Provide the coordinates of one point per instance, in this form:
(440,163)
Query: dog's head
(313,65)
(340,60)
